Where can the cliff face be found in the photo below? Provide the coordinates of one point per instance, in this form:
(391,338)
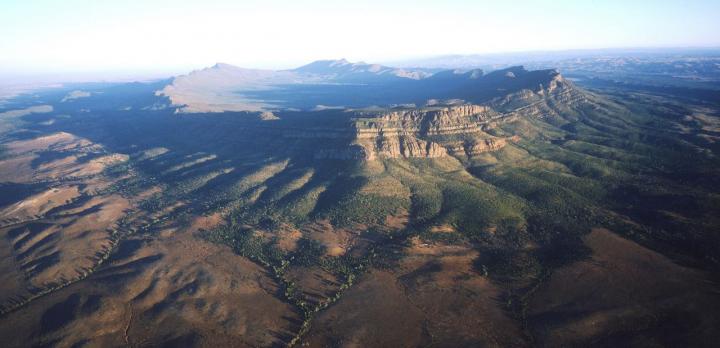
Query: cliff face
(555,90)
(430,121)
(401,146)
(419,132)
(451,130)
(477,146)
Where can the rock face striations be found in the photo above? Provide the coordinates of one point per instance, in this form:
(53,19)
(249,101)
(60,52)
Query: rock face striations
(453,130)
(420,132)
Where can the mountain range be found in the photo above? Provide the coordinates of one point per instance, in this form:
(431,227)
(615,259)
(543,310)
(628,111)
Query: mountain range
(348,204)
(341,84)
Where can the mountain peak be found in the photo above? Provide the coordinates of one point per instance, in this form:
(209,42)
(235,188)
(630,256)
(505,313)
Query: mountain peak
(339,62)
(324,66)
(220,66)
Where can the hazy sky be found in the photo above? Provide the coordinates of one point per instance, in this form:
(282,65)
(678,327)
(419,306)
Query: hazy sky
(96,35)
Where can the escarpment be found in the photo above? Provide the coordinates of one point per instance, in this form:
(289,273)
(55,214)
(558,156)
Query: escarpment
(455,130)
(542,99)
(427,121)
(477,146)
(401,146)
(422,132)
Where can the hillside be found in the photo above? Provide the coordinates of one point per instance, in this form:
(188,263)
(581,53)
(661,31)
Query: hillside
(350,204)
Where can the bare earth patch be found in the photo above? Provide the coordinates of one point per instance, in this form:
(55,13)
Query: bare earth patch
(434,297)
(445,228)
(177,288)
(625,295)
(40,204)
(336,240)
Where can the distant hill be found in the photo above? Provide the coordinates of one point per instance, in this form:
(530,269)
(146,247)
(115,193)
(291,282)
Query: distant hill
(339,83)
(342,70)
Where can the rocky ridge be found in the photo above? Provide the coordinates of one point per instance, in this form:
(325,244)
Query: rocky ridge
(455,130)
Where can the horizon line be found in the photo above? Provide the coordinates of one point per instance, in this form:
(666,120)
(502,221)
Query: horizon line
(158,72)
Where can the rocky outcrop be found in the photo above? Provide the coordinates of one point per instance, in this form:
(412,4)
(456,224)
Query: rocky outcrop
(268,116)
(425,121)
(476,146)
(460,130)
(403,146)
(426,132)
(534,102)
(451,130)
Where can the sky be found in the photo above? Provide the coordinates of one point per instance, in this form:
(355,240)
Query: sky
(73,36)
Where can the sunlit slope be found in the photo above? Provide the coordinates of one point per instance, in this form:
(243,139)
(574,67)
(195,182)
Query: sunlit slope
(216,227)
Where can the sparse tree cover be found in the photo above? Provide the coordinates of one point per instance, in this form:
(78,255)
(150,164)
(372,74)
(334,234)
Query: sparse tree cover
(244,229)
